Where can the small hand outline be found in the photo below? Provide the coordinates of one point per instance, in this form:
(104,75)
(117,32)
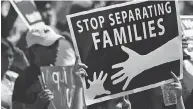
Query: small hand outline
(96,86)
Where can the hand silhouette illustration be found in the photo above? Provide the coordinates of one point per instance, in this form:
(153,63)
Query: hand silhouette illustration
(96,86)
(130,67)
(137,63)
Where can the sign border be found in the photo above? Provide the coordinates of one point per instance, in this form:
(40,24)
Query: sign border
(137,89)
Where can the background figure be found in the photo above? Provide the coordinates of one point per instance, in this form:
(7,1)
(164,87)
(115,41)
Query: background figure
(186,7)
(46,10)
(7,59)
(45,49)
(10,56)
(27,84)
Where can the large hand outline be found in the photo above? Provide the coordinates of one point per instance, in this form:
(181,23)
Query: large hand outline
(137,63)
(130,68)
(96,86)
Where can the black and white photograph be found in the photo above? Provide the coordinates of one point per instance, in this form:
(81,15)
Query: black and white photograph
(91,54)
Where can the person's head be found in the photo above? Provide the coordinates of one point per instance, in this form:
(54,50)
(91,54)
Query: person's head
(46,10)
(118,103)
(6,55)
(43,55)
(50,49)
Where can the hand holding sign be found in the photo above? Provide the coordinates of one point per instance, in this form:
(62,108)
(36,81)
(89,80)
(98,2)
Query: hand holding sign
(79,72)
(130,68)
(176,86)
(96,86)
(43,99)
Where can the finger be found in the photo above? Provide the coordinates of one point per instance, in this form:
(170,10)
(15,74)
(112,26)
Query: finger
(117,65)
(78,64)
(126,84)
(120,79)
(175,84)
(86,74)
(107,92)
(105,77)
(46,94)
(94,76)
(51,98)
(170,86)
(47,98)
(126,100)
(81,65)
(43,97)
(117,74)
(175,77)
(41,93)
(127,50)
(47,91)
(89,81)
(81,73)
(100,75)
(175,88)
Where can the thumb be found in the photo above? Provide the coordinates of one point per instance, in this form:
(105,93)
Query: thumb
(79,64)
(175,77)
(107,92)
(128,50)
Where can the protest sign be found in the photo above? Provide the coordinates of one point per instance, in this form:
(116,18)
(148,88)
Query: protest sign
(60,82)
(128,47)
(187,25)
(27,10)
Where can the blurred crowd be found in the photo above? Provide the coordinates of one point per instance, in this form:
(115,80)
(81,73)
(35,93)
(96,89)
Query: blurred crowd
(16,54)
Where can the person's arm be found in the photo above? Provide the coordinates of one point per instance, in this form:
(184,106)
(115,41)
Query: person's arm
(79,74)
(78,101)
(166,53)
(180,103)
(177,87)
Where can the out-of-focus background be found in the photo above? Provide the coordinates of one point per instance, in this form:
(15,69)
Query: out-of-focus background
(56,11)
(13,27)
